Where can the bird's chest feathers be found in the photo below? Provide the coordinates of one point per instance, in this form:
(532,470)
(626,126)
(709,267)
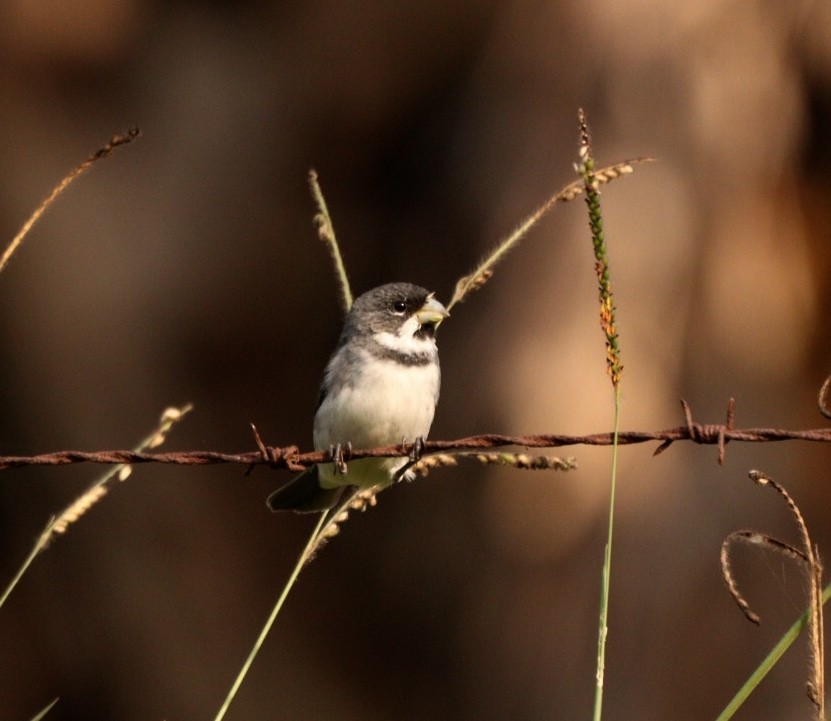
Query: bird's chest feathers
(382,404)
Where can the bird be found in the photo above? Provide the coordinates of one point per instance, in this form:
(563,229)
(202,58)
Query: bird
(380,387)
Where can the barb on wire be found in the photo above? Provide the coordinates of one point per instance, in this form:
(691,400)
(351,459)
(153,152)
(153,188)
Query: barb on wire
(704,433)
(290,458)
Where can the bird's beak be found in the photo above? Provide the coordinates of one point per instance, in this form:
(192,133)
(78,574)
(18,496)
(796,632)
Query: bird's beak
(431,313)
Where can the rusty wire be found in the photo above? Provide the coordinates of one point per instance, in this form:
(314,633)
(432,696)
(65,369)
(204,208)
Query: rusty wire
(290,457)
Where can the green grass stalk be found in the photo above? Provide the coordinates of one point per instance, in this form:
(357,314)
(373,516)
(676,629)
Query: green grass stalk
(603,624)
(770,660)
(614,367)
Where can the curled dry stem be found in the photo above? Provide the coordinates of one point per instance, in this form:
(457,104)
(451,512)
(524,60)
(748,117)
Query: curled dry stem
(809,559)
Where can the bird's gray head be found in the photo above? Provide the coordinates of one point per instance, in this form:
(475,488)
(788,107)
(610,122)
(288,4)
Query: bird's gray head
(401,318)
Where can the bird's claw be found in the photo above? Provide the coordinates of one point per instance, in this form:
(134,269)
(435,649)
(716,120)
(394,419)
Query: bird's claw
(339,455)
(417,450)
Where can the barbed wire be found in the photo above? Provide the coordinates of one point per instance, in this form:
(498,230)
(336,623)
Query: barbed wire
(292,459)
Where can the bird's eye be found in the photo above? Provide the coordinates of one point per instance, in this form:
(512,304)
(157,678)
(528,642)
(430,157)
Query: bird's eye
(399,306)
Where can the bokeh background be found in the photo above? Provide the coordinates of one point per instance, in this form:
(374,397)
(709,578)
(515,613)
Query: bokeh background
(186,268)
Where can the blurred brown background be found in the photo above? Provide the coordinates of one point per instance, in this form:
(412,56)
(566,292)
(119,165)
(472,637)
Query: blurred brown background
(186,268)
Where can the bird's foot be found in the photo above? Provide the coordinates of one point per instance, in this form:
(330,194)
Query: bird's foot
(417,450)
(339,455)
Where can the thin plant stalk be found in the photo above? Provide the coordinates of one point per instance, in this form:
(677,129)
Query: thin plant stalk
(484,270)
(809,559)
(301,562)
(603,625)
(326,232)
(770,660)
(76,172)
(614,367)
(328,523)
(59,524)
(45,711)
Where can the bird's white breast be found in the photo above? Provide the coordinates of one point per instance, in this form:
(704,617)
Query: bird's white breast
(383,403)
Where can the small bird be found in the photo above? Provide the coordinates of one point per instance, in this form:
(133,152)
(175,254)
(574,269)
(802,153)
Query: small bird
(380,388)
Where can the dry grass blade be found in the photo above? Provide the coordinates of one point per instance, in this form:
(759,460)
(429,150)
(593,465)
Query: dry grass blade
(60,523)
(824,399)
(809,559)
(103,152)
(753,538)
(484,271)
(326,232)
(43,712)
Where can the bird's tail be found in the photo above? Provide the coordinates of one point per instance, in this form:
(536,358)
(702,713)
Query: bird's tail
(303,494)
